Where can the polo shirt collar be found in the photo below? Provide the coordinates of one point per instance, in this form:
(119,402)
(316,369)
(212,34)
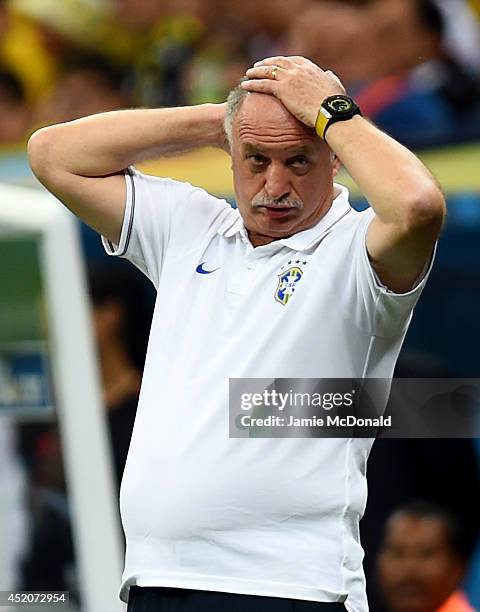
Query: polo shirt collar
(306,238)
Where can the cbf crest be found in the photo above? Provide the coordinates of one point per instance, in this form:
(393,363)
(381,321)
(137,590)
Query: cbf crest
(288,282)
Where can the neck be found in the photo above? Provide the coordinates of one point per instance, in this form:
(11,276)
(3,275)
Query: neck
(260,240)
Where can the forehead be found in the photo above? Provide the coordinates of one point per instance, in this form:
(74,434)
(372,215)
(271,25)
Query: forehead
(414,529)
(264,124)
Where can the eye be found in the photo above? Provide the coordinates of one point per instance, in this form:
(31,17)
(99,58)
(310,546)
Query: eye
(257,162)
(300,161)
(257,159)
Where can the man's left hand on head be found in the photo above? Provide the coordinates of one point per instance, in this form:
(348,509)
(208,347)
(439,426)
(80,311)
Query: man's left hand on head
(297,82)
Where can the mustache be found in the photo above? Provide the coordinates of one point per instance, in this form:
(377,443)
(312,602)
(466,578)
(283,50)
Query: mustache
(283,202)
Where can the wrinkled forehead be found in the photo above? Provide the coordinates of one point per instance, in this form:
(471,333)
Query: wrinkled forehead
(264,122)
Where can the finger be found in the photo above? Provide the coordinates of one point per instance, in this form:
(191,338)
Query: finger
(278,60)
(281,60)
(298,59)
(266,72)
(267,86)
(337,79)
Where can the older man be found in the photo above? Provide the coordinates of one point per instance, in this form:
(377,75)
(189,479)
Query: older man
(293,284)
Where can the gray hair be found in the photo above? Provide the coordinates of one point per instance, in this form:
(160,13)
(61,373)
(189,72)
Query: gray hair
(234,103)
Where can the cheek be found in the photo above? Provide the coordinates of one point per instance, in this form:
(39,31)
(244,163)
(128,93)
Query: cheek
(315,187)
(389,570)
(247,185)
(309,194)
(436,570)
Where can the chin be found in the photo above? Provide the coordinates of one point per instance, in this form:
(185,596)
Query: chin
(276,232)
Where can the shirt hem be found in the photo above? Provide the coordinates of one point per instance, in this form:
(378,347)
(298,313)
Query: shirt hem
(229,585)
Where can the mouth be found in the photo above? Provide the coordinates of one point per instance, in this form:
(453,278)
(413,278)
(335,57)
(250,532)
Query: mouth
(409,591)
(277,212)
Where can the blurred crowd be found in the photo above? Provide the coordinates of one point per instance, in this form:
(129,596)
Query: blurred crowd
(414,65)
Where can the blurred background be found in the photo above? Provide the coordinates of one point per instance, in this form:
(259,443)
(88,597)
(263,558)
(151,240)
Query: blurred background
(414,68)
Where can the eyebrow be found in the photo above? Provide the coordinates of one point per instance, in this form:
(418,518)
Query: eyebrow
(290,151)
(251,148)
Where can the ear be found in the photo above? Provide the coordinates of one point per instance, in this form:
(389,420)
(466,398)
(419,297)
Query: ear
(336,165)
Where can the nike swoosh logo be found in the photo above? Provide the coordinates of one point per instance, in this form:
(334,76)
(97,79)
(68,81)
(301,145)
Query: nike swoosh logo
(201,270)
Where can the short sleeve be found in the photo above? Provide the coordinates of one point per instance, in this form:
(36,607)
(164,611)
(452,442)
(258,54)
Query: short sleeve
(163,216)
(385,312)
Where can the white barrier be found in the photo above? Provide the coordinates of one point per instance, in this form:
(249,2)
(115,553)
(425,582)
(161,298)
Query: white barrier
(76,389)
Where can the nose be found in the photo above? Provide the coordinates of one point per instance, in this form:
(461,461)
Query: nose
(277,182)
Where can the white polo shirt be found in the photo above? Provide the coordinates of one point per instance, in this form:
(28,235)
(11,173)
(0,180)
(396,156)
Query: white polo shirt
(276,517)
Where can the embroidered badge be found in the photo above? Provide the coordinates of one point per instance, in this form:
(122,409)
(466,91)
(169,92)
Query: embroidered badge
(287,283)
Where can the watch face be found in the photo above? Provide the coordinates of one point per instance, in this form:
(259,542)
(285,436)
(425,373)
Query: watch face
(339,105)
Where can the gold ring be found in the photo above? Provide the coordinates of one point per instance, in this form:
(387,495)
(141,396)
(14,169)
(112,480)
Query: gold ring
(274,72)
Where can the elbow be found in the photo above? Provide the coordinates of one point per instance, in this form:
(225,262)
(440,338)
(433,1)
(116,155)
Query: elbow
(38,150)
(41,152)
(426,211)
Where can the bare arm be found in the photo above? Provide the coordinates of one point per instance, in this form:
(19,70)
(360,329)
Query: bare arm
(408,204)
(82,162)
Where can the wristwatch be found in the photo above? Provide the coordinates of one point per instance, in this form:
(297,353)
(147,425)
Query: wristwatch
(333,109)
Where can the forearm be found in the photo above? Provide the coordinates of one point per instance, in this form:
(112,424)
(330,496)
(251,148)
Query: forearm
(106,143)
(394,181)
